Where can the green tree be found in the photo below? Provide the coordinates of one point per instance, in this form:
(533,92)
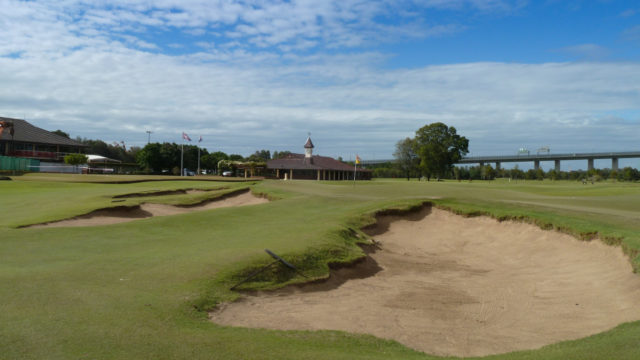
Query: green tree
(75,159)
(457,174)
(157,157)
(150,158)
(530,174)
(475,173)
(260,156)
(439,147)
(487,172)
(210,161)
(406,157)
(281,154)
(61,133)
(170,156)
(190,156)
(516,173)
(630,174)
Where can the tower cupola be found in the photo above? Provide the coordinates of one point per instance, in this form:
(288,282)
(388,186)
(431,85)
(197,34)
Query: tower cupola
(308,148)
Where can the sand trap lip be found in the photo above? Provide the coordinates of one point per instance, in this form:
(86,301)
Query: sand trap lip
(449,285)
(120,214)
(164,193)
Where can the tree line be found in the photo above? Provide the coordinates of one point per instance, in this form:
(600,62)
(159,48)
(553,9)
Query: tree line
(164,158)
(437,147)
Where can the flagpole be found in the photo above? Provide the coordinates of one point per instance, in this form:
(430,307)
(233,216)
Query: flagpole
(182,158)
(198,160)
(355,169)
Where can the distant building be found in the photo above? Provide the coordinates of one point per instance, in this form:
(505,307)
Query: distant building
(32,142)
(313,167)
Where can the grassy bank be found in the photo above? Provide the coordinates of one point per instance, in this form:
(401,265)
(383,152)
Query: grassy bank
(136,290)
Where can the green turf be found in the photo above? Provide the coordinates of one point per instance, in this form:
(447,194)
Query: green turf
(135,290)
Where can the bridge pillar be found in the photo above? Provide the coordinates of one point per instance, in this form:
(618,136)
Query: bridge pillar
(536,164)
(590,164)
(557,165)
(614,164)
(498,165)
(481,164)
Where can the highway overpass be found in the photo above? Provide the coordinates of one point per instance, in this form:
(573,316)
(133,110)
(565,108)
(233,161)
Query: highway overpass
(537,158)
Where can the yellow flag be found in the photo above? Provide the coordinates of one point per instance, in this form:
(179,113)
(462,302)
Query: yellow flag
(357,159)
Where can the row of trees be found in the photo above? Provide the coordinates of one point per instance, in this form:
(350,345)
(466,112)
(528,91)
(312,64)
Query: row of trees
(489,173)
(165,157)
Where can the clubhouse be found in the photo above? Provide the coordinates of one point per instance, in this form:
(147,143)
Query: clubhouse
(28,141)
(313,167)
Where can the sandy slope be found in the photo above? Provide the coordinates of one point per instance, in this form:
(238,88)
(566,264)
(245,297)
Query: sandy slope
(451,285)
(111,216)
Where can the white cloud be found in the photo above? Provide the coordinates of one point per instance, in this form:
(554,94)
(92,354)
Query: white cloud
(586,51)
(240,108)
(91,76)
(284,25)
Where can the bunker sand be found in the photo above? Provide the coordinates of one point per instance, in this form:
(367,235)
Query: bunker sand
(124,214)
(449,285)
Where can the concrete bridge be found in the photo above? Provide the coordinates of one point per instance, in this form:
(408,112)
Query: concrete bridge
(556,158)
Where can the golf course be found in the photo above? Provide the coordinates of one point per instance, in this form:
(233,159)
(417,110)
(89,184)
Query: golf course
(124,267)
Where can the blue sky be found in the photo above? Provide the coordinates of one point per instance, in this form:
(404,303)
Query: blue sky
(359,75)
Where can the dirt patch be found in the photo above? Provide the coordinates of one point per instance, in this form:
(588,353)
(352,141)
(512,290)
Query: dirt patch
(121,214)
(450,285)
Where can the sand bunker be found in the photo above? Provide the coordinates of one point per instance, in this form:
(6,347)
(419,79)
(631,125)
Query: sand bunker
(451,285)
(165,192)
(123,214)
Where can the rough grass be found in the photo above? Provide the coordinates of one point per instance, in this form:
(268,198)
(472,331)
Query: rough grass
(137,290)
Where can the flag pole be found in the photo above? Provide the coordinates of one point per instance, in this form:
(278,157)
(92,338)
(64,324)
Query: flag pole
(355,169)
(182,158)
(198,160)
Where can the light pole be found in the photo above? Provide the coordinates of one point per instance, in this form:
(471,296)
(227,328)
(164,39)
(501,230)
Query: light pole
(149,138)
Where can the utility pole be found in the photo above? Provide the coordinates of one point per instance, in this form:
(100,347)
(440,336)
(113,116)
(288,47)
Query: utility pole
(149,138)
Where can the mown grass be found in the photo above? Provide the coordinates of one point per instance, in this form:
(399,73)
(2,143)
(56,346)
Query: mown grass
(32,202)
(137,289)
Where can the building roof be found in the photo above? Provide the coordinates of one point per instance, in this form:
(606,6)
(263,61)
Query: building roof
(299,162)
(308,144)
(25,132)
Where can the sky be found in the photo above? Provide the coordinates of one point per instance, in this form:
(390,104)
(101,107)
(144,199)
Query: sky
(358,75)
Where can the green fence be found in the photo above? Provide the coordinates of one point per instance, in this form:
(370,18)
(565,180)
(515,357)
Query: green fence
(18,164)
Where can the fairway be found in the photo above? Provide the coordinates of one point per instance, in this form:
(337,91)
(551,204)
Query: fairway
(142,289)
